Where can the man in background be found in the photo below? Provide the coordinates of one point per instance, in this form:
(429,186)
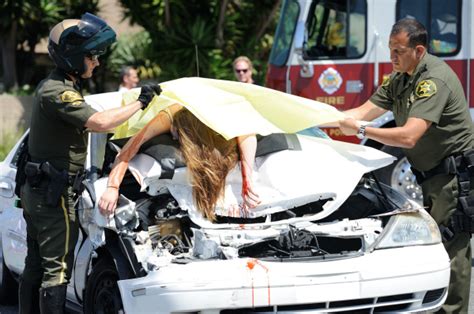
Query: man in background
(243,69)
(129,77)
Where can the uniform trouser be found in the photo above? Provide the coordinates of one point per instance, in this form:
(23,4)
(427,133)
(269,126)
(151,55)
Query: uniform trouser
(440,195)
(52,233)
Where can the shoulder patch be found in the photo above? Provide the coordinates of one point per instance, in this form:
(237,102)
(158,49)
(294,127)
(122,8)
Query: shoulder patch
(425,89)
(71,97)
(386,80)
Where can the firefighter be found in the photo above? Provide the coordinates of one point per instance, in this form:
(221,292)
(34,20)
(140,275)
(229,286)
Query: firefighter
(57,150)
(434,127)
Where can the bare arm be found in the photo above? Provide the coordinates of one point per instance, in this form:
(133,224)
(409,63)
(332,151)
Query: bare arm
(108,119)
(367,111)
(405,136)
(248,147)
(159,125)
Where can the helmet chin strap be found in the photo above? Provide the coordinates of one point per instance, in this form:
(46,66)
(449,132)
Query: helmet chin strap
(76,79)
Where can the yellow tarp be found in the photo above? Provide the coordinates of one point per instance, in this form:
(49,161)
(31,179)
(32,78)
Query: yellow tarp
(233,108)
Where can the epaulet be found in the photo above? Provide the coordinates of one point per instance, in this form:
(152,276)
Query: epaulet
(71,97)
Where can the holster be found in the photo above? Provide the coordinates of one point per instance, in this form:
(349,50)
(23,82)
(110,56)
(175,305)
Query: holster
(33,173)
(56,180)
(462,165)
(463,218)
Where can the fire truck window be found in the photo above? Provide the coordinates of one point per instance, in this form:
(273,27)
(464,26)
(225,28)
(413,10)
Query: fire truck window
(444,27)
(336,29)
(442,20)
(284,33)
(414,9)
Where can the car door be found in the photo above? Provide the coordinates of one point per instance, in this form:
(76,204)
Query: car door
(12,224)
(336,56)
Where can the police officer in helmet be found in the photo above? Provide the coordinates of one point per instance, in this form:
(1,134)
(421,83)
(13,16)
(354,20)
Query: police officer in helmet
(57,147)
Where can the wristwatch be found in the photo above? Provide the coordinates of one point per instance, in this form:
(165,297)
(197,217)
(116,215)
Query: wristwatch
(361,133)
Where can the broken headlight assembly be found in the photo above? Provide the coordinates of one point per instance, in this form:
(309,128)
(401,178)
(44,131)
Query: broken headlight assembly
(412,228)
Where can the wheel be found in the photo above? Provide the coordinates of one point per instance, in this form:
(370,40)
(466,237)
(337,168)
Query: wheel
(102,292)
(8,284)
(399,175)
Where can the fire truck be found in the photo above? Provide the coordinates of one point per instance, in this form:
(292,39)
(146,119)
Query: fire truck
(336,52)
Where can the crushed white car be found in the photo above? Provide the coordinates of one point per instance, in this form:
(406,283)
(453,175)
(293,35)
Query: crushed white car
(328,237)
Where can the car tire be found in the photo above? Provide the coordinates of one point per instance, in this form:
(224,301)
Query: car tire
(8,284)
(102,292)
(399,176)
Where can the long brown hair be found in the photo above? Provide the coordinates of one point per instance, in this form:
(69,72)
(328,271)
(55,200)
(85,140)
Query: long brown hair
(209,158)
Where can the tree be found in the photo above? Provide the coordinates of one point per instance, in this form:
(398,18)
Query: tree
(22,25)
(202,37)
(10,12)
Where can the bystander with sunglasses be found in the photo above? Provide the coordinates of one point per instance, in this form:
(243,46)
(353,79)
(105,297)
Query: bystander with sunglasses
(243,69)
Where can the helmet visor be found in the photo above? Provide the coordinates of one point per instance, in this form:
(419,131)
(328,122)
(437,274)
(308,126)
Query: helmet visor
(97,33)
(89,25)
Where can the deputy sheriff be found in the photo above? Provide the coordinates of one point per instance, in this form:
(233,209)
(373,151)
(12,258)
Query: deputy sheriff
(57,150)
(434,127)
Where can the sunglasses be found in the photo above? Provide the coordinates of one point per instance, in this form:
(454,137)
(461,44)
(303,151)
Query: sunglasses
(93,57)
(241,70)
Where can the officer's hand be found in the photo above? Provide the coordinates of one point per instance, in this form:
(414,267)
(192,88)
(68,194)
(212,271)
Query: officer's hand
(349,126)
(108,201)
(148,92)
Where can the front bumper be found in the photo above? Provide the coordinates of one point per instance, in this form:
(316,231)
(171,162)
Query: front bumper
(400,280)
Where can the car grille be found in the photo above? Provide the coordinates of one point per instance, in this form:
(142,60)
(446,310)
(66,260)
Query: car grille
(433,296)
(394,303)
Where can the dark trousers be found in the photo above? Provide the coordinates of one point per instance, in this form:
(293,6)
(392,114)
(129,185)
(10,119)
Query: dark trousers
(440,195)
(52,233)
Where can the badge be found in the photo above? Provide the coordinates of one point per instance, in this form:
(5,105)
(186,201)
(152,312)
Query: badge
(330,80)
(425,89)
(386,80)
(72,97)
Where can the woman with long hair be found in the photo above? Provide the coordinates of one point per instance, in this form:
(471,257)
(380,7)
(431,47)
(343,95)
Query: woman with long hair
(209,158)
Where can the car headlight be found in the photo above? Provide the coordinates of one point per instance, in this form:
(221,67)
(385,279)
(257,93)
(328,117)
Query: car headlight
(411,228)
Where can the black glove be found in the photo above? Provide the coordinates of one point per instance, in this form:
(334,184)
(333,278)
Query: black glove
(147,94)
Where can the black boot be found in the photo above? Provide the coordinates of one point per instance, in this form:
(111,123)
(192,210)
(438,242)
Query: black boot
(28,294)
(53,299)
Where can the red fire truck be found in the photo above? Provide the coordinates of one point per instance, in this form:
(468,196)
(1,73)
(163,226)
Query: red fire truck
(336,52)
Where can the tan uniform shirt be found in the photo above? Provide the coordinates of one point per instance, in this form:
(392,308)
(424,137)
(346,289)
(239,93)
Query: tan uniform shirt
(433,93)
(57,132)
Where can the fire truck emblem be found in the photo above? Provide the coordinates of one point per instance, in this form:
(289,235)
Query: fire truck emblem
(330,80)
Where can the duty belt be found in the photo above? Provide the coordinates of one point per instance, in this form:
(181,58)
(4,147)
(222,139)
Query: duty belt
(57,180)
(449,165)
(461,165)
(43,164)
